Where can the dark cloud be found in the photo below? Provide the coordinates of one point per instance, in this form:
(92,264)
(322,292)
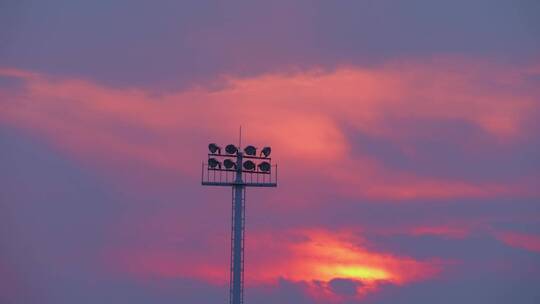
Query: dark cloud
(443,149)
(344,287)
(283,292)
(473,288)
(54,217)
(467,252)
(11,83)
(174,44)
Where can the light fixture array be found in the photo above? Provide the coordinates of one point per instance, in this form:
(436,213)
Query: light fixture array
(249,153)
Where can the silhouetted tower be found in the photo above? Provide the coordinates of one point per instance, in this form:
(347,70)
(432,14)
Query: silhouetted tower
(237,169)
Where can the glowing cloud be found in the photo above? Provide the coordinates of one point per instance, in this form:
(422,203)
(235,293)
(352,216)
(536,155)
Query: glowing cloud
(315,257)
(303,114)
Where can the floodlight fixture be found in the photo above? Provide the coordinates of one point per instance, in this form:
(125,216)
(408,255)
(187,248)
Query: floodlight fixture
(213,163)
(250,150)
(229,164)
(266,151)
(214,148)
(264,166)
(249,165)
(231,149)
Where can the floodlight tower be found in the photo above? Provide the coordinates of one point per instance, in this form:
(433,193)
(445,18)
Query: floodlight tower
(238,170)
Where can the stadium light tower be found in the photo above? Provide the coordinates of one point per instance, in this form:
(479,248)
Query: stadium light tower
(237,169)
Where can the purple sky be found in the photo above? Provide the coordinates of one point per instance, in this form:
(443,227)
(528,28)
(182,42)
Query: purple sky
(407,135)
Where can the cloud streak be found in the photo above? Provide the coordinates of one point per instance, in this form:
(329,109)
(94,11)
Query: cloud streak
(303,114)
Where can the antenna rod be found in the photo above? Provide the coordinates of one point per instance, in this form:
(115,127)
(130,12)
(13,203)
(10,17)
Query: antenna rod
(240,139)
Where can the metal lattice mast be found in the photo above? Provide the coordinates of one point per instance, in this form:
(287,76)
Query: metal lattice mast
(237,237)
(262,175)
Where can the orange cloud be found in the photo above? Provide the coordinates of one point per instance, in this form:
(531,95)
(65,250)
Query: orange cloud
(301,115)
(315,257)
(320,256)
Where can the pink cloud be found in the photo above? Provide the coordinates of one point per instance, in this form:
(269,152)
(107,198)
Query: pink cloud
(300,114)
(525,241)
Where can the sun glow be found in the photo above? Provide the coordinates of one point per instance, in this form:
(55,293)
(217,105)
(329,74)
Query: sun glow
(318,257)
(362,273)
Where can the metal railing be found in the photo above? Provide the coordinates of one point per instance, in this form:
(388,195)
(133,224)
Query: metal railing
(227,177)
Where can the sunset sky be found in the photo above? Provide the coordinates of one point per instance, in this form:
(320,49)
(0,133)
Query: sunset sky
(407,135)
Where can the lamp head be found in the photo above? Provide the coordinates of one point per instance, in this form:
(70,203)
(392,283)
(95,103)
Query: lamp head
(213,163)
(266,151)
(229,164)
(231,149)
(249,165)
(264,166)
(250,150)
(214,148)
